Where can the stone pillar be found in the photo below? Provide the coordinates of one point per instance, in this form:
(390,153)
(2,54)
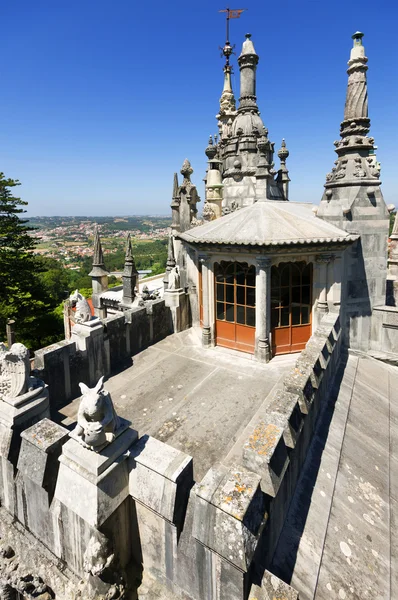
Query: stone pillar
(263,308)
(335,277)
(89,338)
(206,330)
(10,330)
(323,261)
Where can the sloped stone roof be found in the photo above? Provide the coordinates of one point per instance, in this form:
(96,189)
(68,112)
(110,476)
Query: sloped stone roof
(269,223)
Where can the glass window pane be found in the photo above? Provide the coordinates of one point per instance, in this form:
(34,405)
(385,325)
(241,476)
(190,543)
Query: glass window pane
(220,311)
(240,314)
(229,293)
(296,315)
(305,315)
(240,276)
(306,276)
(220,277)
(220,291)
(251,296)
(285,275)
(251,276)
(229,316)
(305,290)
(296,275)
(275,281)
(285,297)
(229,278)
(295,295)
(240,294)
(275,317)
(250,317)
(285,317)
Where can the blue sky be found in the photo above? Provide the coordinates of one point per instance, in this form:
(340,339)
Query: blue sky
(101,101)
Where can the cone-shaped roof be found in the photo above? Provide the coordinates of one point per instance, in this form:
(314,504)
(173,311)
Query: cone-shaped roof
(98,269)
(129,263)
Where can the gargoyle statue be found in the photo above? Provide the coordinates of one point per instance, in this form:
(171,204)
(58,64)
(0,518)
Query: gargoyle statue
(14,371)
(97,420)
(83,311)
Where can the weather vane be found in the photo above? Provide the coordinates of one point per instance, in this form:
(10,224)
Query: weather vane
(231,13)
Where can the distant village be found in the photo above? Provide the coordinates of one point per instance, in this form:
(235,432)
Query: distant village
(70,239)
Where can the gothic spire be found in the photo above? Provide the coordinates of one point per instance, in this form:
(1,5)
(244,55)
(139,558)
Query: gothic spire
(283,173)
(130,274)
(248,61)
(129,263)
(98,269)
(356,121)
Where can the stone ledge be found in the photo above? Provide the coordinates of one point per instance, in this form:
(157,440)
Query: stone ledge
(229,513)
(265,452)
(160,477)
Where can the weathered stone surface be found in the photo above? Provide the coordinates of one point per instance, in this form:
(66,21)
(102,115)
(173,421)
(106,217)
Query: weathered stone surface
(160,477)
(229,513)
(265,452)
(272,588)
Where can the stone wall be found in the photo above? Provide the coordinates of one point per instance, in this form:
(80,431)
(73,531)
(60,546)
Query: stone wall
(100,347)
(88,525)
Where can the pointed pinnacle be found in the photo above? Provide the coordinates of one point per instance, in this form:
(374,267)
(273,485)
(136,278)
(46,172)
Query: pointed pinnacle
(129,262)
(175,186)
(171,261)
(98,269)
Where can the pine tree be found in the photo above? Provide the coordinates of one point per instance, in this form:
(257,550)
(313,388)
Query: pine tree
(22,297)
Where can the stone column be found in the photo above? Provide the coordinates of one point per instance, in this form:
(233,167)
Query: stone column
(206,331)
(335,277)
(263,309)
(323,261)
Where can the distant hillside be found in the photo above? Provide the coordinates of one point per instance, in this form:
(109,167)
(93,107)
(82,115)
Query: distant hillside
(141,223)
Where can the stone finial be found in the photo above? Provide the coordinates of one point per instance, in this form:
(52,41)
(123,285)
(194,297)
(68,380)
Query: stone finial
(97,420)
(129,262)
(98,269)
(175,186)
(186,169)
(356,121)
(211,150)
(283,152)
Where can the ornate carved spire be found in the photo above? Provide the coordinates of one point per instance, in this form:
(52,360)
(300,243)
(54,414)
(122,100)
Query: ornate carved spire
(356,121)
(130,274)
(175,186)
(248,61)
(98,269)
(283,173)
(356,163)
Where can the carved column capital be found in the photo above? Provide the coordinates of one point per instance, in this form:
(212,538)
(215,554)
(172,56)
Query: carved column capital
(263,262)
(324,258)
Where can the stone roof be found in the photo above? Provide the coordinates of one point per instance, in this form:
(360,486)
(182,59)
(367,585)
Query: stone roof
(269,223)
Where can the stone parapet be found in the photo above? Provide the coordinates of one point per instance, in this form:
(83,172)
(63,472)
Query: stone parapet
(160,477)
(229,513)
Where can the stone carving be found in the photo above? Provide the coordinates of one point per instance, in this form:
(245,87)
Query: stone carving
(359,171)
(83,311)
(98,555)
(231,208)
(97,420)
(208,213)
(174,279)
(147,295)
(14,370)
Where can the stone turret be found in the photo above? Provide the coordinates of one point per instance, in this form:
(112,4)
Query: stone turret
(213,205)
(99,275)
(244,148)
(283,173)
(353,201)
(130,275)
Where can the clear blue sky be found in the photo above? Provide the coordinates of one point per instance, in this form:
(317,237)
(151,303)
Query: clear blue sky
(101,101)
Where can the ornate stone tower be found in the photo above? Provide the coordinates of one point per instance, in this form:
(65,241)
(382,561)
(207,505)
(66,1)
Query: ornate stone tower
(99,276)
(244,148)
(130,275)
(353,201)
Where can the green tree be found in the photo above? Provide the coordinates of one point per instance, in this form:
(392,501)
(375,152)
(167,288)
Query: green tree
(23,296)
